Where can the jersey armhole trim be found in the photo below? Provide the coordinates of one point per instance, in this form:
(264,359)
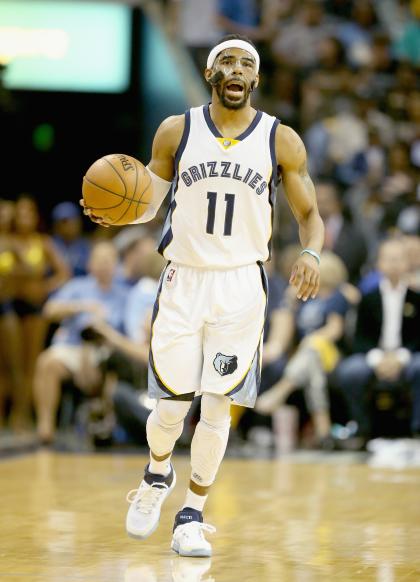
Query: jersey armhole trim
(184,139)
(275,167)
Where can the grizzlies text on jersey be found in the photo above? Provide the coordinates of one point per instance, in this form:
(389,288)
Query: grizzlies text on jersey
(223,194)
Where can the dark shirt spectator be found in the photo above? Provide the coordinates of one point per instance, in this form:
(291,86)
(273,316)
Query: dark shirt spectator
(387,340)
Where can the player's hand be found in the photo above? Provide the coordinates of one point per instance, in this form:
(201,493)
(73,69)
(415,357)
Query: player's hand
(305,277)
(88,212)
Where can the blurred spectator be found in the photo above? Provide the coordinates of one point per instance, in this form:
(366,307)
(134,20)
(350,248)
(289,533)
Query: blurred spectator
(133,244)
(337,142)
(342,237)
(298,38)
(393,15)
(387,340)
(143,294)
(329,78)
(319,326)
(255,19)
(126,396)
(194,23)
(407,46)
(67,236)
(11,379)
(280,95)
(40,271)
(74,353)
(129,391)
(356,33)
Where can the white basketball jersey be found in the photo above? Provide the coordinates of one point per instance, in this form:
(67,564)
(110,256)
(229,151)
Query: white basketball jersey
(223,194)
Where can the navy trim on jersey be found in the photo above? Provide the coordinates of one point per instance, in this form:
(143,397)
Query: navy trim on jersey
(216,132)
(184,139)
(167,235)
(272,187)
(275,174)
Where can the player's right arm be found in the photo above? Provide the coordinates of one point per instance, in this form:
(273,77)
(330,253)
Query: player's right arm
(165,145)
(161,166)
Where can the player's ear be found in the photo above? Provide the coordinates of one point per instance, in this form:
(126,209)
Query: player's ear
(208,73)
(257,81)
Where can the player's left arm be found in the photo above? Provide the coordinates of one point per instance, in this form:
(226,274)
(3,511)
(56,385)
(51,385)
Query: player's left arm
(300,194)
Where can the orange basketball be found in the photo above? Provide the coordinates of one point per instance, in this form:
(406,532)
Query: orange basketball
(117,188)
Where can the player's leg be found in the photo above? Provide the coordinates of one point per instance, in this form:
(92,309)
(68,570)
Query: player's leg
(164,427)
(207,451)
(176,357)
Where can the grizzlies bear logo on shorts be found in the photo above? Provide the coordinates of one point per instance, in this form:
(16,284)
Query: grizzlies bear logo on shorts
(225,364)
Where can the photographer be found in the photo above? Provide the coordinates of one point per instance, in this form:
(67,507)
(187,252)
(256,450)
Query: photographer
(76,353)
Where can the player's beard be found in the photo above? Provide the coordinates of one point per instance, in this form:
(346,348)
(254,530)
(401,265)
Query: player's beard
(232,104)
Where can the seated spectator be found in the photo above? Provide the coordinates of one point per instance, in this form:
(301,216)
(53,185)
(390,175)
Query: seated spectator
(319,325)
(40,271)
(67,228)
(126,378)
(387,340)
(133,244)
(70,357)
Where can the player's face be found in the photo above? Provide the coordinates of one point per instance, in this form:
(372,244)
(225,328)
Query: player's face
(239,77)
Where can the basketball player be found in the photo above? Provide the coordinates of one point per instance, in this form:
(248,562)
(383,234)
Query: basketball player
(222,162)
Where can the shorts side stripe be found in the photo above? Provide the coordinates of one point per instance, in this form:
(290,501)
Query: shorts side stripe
(256,360)
(152,367)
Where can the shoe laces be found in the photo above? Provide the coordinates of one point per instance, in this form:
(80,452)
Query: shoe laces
(195,528)
(145,499)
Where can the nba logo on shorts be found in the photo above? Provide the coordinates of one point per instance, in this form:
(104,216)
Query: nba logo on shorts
(170,277)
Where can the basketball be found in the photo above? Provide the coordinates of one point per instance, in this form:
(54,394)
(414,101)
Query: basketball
(117,188)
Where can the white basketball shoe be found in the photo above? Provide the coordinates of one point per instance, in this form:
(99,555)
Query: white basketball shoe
(146,502)
(188,537)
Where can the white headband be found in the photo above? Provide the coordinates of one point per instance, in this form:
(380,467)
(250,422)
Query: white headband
(234,43)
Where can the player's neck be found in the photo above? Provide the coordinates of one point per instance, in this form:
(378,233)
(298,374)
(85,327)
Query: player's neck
(231,121)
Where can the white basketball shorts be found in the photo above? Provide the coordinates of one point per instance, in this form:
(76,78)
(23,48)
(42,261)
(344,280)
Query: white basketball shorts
(207,332)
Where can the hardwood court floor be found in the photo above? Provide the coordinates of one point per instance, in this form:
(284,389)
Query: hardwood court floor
(62,519)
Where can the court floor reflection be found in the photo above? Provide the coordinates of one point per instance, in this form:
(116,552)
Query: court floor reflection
(63,518)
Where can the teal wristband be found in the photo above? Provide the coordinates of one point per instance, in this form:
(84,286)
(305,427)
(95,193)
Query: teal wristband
(314,254)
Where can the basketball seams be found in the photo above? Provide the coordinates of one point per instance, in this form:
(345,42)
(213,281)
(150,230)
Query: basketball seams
(118,174)
(131,200)
(105,190)
(135,197)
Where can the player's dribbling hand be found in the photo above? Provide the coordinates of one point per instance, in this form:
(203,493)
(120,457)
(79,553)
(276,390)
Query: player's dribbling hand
(88,212)
(305,277)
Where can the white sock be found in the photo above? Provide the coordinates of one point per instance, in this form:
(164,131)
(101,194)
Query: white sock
(195,501)
(160,467)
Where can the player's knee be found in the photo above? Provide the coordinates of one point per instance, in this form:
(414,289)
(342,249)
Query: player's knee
(215,411)
(171,412)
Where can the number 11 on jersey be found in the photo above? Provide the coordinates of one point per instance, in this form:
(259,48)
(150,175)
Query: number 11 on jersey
(211,212)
